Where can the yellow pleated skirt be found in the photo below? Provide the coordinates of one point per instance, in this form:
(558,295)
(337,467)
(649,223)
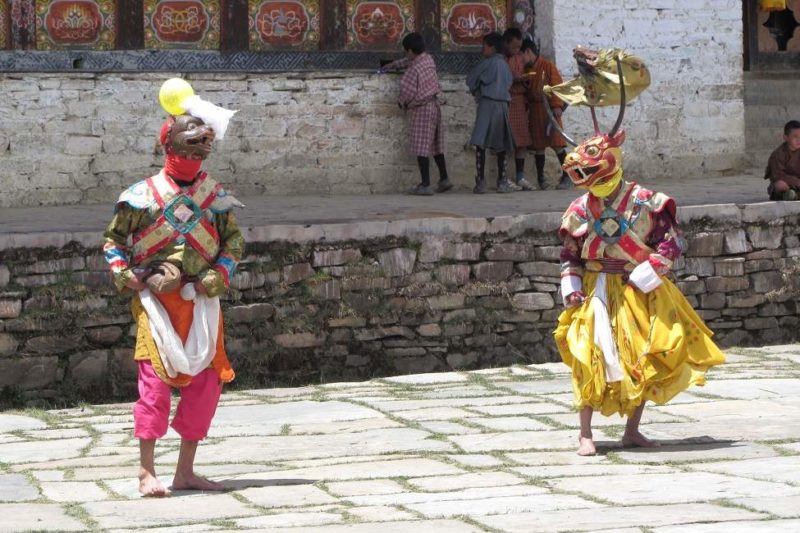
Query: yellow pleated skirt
(664,346)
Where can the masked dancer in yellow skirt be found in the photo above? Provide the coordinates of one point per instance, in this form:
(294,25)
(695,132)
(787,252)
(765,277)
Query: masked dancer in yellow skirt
(627,332)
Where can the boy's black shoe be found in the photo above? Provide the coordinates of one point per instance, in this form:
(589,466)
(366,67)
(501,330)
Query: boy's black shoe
(444,185)
(789,195)
(480,187)
(505,186)
(422,190)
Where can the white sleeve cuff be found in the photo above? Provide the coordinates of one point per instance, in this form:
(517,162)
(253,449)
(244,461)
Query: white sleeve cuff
(570,284)
(645,277)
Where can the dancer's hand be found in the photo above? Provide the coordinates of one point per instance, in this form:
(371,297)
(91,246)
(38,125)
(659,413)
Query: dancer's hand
(200,288)
(575,299)
(136,285)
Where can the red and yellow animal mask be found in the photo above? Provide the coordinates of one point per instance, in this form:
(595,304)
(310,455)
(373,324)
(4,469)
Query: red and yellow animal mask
(595,161)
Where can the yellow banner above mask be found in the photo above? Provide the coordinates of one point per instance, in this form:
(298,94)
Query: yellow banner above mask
(772,5)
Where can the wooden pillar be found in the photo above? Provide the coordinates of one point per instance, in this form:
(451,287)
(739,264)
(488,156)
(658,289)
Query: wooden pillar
(333,24)
(130,24)
(429,14)
(23,24)
(235,25)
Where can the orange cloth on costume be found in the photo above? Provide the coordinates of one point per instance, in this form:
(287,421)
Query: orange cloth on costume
(180,313)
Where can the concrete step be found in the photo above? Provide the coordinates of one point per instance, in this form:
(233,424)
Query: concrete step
(780,92)
(757,161)
(770,116)
(760,139)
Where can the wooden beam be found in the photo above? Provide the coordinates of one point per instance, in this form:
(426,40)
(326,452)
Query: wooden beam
(23,37)
(428,15)
(235,25)
(333,24)
(130,24)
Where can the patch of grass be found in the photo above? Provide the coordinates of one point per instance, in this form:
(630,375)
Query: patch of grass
(615,431)
(286,429)
(111,493)
(479,380)
(226,524)
(45,416)
(724,502)
(544,419)
(79,513)
(319,396)
(474,523)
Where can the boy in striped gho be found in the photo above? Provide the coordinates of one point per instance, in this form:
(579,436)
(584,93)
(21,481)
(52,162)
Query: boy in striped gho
(419,90)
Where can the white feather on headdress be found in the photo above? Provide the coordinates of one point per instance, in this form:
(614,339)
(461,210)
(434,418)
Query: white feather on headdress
(215,116)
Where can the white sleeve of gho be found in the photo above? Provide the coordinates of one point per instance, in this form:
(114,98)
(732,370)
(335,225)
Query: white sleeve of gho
(645,277)
(570,284)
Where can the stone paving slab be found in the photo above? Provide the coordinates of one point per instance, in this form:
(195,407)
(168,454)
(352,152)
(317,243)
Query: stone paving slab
(16,488)
(669,488)
(699,452)
(784,507)
(290,446)
(37,517)
(501,505)
(473,480)
(439,526)
(282,520)
(73,491)
(46,450)
(10,423)
(366,487)
(379,513)
(771,526)
(490,450)
(578,470)
(783,469)
(616,518)
(152,512)
(521,440)
(184,528)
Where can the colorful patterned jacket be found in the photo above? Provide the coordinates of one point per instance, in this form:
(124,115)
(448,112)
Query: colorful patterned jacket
(639,225)
(192,227)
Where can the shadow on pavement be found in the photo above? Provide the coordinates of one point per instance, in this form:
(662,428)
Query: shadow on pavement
(237,484)
(692,444)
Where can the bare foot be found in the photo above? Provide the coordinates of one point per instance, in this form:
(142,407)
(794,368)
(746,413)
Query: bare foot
(150,486)
(194,482)
(586,446)
(636,439)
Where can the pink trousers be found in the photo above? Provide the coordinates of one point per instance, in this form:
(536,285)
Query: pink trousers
(195,410)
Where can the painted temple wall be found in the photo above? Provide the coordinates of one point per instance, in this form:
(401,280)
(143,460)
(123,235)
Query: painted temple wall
(83,137)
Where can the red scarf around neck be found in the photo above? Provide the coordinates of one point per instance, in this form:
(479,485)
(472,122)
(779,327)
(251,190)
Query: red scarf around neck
(175,166)
(180,168)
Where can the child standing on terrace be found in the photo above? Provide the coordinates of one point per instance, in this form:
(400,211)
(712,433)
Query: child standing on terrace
(490,82)
(419,91)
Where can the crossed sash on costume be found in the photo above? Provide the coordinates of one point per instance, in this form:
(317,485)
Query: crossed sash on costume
(182,218)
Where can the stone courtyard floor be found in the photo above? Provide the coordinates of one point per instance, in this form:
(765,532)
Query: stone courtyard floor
(490,450)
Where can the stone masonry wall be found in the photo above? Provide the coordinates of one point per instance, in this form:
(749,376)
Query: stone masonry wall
(353,301)
(82,137)
(690,122)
